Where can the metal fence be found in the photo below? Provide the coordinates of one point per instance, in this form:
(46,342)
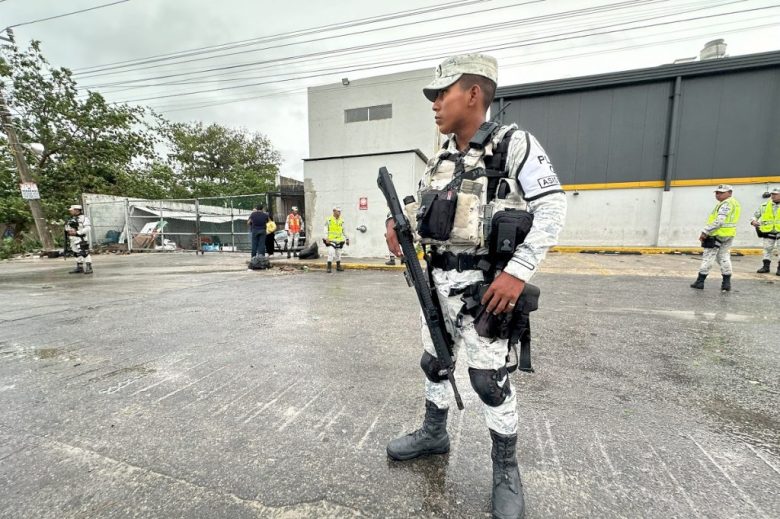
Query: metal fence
(198,224)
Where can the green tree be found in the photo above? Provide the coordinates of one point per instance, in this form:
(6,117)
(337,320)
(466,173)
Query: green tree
(215,160)
(88,144)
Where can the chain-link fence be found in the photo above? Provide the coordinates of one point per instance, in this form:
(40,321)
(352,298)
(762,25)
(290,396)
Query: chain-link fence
(202,224)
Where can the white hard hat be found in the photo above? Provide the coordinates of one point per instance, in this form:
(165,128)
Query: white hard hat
(76,207)
(294,208)
(337,208)
(775,191)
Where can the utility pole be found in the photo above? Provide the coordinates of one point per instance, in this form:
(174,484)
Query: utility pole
(23,168)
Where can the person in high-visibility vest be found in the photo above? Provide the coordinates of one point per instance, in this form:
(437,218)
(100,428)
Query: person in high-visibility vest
(718,236)
(767,221)
(335,238)
(293,226)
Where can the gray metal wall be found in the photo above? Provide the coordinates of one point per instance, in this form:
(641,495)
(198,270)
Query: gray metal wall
(729,127)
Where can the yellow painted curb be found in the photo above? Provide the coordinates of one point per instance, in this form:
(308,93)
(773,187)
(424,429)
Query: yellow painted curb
(674,183)
(648,250)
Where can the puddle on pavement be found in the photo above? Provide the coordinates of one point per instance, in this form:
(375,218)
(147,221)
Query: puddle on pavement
(48,353)
(752,427)
(684,315)
(45,353)
(138,369)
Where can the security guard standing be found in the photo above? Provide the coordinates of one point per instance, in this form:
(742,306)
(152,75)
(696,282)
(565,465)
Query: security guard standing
(77,229)
(461,92)
(335,239)
(767,221)
(718,236)
(293,225)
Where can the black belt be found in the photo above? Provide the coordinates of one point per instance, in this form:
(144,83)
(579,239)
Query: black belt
(460,262)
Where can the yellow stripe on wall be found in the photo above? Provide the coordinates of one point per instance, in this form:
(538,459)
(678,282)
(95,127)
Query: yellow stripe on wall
(675,183)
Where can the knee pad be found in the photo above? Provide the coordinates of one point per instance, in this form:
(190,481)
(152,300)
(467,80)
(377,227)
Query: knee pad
(485,383)
(431,367)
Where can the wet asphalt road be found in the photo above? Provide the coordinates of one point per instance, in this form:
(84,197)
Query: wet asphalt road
(176,386)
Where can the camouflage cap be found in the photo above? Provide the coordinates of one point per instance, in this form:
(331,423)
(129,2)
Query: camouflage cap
(723,188)
(451,69)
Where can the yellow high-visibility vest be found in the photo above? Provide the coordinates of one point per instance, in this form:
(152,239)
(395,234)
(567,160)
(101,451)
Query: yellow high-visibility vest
(770,220)
(729,227)
(336,229)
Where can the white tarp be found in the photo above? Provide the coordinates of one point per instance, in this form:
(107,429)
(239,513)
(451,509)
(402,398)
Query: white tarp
(239,214)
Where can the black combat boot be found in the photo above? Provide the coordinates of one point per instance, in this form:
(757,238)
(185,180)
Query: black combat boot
(699,283)
(338,267)
(330,267)
(431,438)
(778,269)
(507,488)
(288,254)
(725,285)
(88,268)
(765,268)
(78,270)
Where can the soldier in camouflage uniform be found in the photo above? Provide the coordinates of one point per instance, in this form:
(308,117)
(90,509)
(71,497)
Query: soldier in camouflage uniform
(717,237)
(461,92)
(77,230)
(767,221)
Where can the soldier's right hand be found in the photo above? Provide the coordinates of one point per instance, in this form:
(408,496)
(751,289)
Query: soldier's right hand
(392,239)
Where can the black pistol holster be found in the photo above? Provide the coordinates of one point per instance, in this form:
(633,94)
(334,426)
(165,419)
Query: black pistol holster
(514,327)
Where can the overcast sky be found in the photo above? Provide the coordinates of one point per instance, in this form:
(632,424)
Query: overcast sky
(533,41)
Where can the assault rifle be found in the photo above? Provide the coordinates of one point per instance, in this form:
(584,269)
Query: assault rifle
(426,294)
(72,223)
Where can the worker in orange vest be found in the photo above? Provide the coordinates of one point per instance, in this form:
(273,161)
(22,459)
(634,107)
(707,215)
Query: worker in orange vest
(293,226)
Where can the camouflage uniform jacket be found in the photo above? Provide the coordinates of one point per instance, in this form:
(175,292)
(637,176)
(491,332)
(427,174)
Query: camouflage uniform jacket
(527,162)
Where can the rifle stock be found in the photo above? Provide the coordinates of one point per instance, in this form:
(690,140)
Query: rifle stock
(442,341)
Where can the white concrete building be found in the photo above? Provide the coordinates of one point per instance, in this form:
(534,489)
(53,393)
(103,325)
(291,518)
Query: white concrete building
(356,127)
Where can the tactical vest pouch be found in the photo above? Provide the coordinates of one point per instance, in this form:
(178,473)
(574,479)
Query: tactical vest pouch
(465,226)
(436,214)
(508,230)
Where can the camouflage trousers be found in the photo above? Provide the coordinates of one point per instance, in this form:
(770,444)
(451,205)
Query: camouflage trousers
(770,245)
(722,254)
(481,353)
(75,246)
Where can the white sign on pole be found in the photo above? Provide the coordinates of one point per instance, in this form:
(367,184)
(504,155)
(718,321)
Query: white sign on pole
(30,191)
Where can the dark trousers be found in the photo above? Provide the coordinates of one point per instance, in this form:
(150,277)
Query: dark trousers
(258,243)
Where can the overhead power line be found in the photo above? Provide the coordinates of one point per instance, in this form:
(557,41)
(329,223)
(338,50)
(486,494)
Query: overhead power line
(273,37)
(221,74)
(147,66)
(373,46)
(550,39)
(195,105)
(63,15)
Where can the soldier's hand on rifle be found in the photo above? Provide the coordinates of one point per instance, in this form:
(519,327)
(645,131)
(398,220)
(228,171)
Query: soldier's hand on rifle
(702,236)
(392,239)
(503,293)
